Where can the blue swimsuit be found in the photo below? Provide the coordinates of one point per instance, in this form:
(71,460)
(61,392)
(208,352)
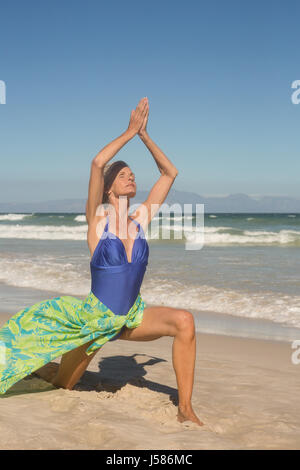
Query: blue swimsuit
(115,281)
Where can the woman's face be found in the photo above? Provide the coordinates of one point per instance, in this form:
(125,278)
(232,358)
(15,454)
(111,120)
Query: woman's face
(124,183)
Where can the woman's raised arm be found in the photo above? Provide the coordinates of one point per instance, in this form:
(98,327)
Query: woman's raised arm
(96,183)
(158,193)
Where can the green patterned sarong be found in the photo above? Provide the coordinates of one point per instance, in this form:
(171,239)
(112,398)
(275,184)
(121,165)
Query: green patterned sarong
(48,329)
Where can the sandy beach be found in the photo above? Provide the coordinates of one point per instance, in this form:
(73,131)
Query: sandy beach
(245,391)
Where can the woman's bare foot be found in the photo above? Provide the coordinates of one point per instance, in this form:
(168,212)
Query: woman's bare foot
(188,414)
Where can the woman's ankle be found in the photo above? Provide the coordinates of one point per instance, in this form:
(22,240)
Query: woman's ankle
(185,407)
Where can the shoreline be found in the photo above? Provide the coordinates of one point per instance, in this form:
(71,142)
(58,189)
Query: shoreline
(213,323)
(13,299)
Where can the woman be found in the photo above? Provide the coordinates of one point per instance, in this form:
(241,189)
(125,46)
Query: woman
(118,268)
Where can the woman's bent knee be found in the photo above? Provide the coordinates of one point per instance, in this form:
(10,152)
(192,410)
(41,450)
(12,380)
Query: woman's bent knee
(185,322)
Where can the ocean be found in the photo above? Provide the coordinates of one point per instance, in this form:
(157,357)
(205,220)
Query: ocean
(244,281)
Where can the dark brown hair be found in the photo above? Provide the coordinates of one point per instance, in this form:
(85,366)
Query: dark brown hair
(110,172)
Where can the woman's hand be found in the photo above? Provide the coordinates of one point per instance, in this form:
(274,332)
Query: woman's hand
(143,130)
(137,117)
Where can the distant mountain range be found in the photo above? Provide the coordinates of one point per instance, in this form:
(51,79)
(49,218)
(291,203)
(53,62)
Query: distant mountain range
(233,203)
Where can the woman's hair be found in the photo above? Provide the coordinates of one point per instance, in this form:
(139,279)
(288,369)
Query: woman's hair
(110,172)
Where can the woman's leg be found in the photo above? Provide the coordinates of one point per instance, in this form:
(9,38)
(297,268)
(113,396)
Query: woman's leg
(156,322)
(72,366)
(167,321)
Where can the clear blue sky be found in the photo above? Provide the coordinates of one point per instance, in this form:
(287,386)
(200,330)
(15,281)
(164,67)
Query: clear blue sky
(217,75)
